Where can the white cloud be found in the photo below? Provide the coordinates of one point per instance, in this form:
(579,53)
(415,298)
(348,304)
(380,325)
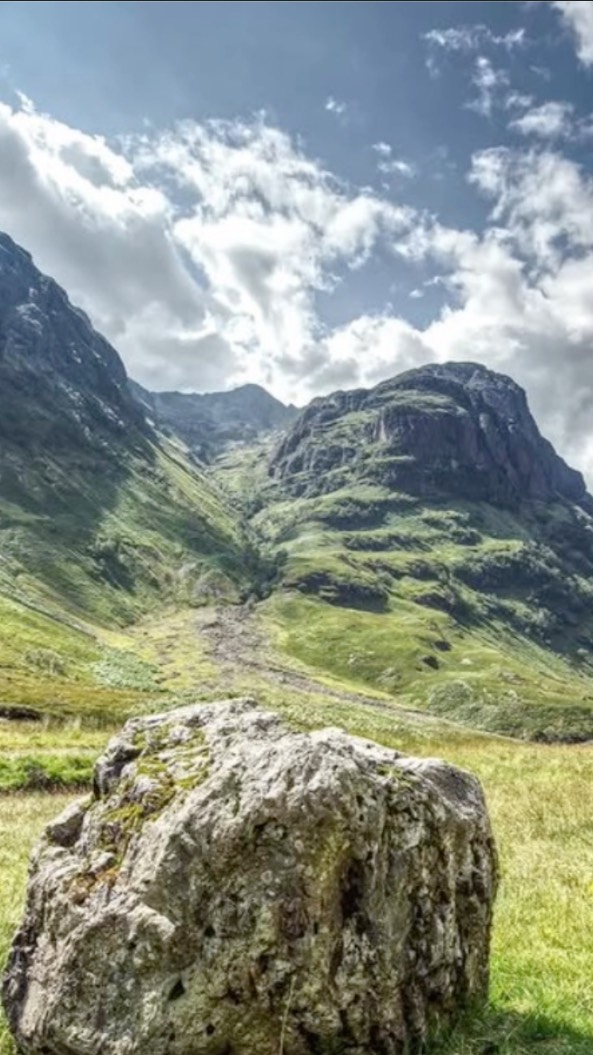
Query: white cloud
(551,120)
(515,100)
(335,106)
(472,38)
(578,15)
(396,167)
(392,166)
(468,40)
(369,349)
(267,230)
(544,200)
(490,83)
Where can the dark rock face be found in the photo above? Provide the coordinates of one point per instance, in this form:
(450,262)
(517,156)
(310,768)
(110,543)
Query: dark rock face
(206,422)
(455,428)
(61,383)
(233,886)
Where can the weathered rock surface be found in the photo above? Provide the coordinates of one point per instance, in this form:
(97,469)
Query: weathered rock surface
(451,428)
(234,887)
(62,385)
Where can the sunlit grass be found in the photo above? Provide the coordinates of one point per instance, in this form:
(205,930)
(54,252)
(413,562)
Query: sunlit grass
(22,819)
(425,659)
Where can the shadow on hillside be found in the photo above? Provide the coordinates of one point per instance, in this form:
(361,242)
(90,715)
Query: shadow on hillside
(497,1033)
(53,504)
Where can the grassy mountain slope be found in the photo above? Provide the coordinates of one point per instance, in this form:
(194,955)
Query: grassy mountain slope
(101,518)
(434,547)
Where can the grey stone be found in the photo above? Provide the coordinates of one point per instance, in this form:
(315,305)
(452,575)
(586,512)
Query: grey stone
(235,887)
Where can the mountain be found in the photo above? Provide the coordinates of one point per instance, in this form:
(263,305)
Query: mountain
(434,545)
(208,422)
(101,518)
(451,429)
(419,539)
(61,383)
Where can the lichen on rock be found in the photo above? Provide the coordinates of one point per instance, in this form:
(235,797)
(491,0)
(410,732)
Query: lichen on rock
(235,887)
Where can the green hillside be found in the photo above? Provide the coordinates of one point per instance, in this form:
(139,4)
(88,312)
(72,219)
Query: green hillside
(102,519)
(413,564)
(466,592)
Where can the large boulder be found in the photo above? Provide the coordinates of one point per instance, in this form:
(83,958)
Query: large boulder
(235,888)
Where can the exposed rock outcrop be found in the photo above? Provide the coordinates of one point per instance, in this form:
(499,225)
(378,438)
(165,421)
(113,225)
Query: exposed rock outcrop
(62,385)
(457,429)
(235,887)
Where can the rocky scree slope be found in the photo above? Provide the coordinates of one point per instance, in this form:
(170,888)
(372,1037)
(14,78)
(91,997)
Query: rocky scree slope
(234,886)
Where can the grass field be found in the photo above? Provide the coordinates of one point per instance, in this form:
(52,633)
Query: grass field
(424,659)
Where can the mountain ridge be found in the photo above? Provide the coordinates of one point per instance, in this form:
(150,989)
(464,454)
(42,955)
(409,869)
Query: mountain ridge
(474,418)
(208,421)
(56,371)
(420,539)
(97,511)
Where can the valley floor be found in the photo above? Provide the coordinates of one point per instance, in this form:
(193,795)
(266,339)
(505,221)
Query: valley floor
(539,796)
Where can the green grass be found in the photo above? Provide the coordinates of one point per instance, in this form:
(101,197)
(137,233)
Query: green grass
(478,614)
(68,669)
(45,771)
(481,677)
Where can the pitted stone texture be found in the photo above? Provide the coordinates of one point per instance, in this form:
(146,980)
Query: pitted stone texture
(235,887)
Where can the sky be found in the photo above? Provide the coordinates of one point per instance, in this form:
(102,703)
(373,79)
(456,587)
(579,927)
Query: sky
(313,196)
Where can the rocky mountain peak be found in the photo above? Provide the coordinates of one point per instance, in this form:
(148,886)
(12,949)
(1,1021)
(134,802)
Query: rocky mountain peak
(208,421)
(471,383)
(454,428)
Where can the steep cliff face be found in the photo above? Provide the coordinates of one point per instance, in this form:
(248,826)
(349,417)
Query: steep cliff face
(456,428)
(434,544)
(61,383)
